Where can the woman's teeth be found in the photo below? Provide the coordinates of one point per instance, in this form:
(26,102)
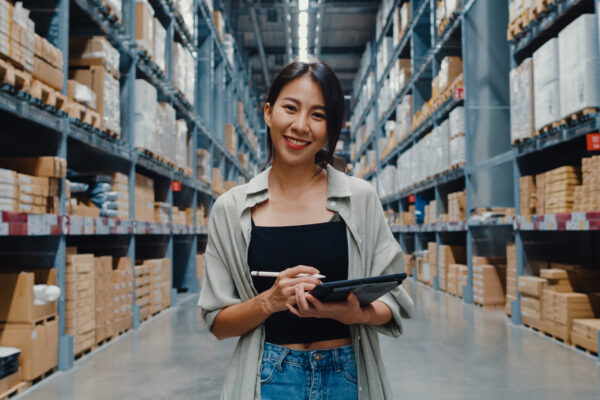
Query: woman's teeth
(296,142)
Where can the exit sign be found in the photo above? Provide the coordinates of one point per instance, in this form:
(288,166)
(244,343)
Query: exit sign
(412,198)
(176,186)
(593,141)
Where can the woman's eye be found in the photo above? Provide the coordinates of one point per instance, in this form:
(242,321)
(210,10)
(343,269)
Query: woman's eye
(291,108)
(319,115)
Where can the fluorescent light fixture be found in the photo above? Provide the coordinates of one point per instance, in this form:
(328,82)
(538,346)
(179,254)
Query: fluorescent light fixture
(302,32)
(303,18)
(303,42)
(303,55)
(302,5)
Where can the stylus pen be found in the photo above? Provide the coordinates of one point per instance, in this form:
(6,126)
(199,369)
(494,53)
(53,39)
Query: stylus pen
(267,274)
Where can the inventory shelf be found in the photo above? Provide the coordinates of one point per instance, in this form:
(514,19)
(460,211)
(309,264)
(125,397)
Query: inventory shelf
(507,221)
(577,221)
(112,28)
(447,177)
(457,226)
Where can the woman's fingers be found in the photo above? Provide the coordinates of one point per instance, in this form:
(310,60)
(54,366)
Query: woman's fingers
(299,269)
(293,310)
(303,305)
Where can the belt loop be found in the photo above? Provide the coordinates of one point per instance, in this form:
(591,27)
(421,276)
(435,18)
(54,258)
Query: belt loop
(336,360)
(281,358)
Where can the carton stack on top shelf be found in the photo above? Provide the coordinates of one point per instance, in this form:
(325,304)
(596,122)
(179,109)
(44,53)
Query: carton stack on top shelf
(48,65)
(528,191)
(511,276)
(30,184)
(560,189)
(104,298)
(80,299)
(17,35)
(184,72)
(488,275)
(568,294)
(449,255)
(144,26)
(531,290)
(122,278)
(521,101)
(26,324)
(94,63)
(587,195)
(142,290)
(144,198)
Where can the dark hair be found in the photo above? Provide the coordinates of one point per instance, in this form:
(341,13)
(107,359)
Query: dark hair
(335,106)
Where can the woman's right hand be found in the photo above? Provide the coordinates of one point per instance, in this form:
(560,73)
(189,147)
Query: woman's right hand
(283,291)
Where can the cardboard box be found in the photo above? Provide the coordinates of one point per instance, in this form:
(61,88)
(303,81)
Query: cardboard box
(46,73)
(219,23)
(17,299)
(96,50)
(46,166)
(38,344)
(531,285)
(144,26)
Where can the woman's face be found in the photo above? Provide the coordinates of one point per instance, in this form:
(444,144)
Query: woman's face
(298,122)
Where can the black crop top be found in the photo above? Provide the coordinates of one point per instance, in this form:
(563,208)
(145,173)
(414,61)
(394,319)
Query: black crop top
(323,246)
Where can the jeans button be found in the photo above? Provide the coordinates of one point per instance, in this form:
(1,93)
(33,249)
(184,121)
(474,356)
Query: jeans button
(318,357)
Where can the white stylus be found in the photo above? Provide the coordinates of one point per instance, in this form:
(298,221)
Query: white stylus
(267,274)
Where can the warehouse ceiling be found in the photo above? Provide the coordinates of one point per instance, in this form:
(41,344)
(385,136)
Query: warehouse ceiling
(346,27)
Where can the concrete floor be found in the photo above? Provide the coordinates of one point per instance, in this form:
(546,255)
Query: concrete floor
(449,351)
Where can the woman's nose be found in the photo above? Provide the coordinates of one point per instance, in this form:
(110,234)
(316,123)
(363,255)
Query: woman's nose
(301,123)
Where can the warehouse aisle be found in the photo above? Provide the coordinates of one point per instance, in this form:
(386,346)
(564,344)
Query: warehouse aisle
(449,351)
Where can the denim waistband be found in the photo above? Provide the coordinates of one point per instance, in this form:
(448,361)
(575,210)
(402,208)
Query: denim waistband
(323,357)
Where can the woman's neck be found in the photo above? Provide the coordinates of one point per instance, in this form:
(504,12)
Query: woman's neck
(290,179)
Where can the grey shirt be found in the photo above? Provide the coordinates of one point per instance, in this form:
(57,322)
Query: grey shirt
(372,251)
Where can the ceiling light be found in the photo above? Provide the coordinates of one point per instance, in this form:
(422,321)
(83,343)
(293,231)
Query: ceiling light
(302,31)
(303,55)
(303,42)
(302,5)
(303,18)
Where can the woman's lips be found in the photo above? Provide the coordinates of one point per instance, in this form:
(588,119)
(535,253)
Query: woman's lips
(294,143)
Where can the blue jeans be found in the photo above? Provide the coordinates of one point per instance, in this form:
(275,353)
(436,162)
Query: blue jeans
(312,375)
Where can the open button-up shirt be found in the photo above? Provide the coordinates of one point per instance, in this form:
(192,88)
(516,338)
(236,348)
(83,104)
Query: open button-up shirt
(372,251)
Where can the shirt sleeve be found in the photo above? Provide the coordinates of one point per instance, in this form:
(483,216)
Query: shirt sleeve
(388,258)
(218,288)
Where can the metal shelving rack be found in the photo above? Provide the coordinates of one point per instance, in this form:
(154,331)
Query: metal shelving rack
(485,102)
(44,238)
(493,166)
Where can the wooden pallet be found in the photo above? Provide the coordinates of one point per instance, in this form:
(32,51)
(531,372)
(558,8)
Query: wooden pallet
(84,352)
(531,327)
(515,28)
(85,115)
(110,12)
(576,116)
(111,133)
(541,6)
(103,342)
(47,95)
(548,128)
(15,390)
(17,78)
(455,166)
(41,377)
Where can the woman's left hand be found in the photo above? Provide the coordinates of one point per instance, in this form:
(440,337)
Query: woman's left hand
(349,312)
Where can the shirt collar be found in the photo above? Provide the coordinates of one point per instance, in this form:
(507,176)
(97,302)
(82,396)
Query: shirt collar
(338,183)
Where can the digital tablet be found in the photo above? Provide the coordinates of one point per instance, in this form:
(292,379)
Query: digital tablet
(366,290)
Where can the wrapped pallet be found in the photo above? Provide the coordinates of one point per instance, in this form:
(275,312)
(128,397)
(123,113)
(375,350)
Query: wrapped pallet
(578,55)
(160,42)
(144,26)
(521,101)
(145,110)
(546,84)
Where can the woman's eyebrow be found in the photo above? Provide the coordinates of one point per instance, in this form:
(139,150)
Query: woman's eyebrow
(293,100)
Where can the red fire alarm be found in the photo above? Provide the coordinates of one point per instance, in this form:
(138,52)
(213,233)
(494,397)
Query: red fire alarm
(593,141)
(176,186)
(412,198)
(458,93)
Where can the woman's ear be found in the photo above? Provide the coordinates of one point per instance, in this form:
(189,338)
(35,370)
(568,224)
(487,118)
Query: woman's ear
(267,114)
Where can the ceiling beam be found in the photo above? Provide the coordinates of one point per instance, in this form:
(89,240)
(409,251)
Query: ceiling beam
(366,7)
(287,22)
(259,43)
(325,51)
(319,28)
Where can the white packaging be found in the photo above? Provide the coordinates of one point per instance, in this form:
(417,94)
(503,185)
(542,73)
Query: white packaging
(403,117)
(186,10)
(145,109)
(452,6)
(405,16)
(456,121)
(546,84)
(181,131)
(445,145)
(521,101)
(457,150)
(112,103)
(578,65)
(160,40)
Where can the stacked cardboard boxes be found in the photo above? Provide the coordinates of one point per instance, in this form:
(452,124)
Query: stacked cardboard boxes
(48,64)
(231,138)
(27,325)
(432,262)
(144,26)
(449,255)
(122,279)
(560,309)
(104,298)
(203,166)
(184,71)
(17,35)
(142,290)
(452,279)
(528,193)
(463,280)
(161,212)
(487,281)
(457,136)
(531,289)
(511,276)
(540,195)
(80,299)
(587,196)
(401,22)
(121,186)
(457,205)
(585,333)
(431,213)
(155,270)
(560,189)
(408,218)
(144,198)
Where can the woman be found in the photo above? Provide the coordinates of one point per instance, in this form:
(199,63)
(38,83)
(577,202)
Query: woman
(298,217)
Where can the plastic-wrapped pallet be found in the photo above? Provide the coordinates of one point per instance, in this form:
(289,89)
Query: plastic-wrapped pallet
(546,84)
(96,50)
(386,184)
(578,65)
(450,69)
(165,131)
(457,150)
(521,101)
(186,9)
(403,117)
(228,47)
(116,6)
(145,110)
(181,131)
(401,21)
(204,165)
(452,6)
(160,42)
(436,151)
(144,26)
(457,121)
(445,145)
